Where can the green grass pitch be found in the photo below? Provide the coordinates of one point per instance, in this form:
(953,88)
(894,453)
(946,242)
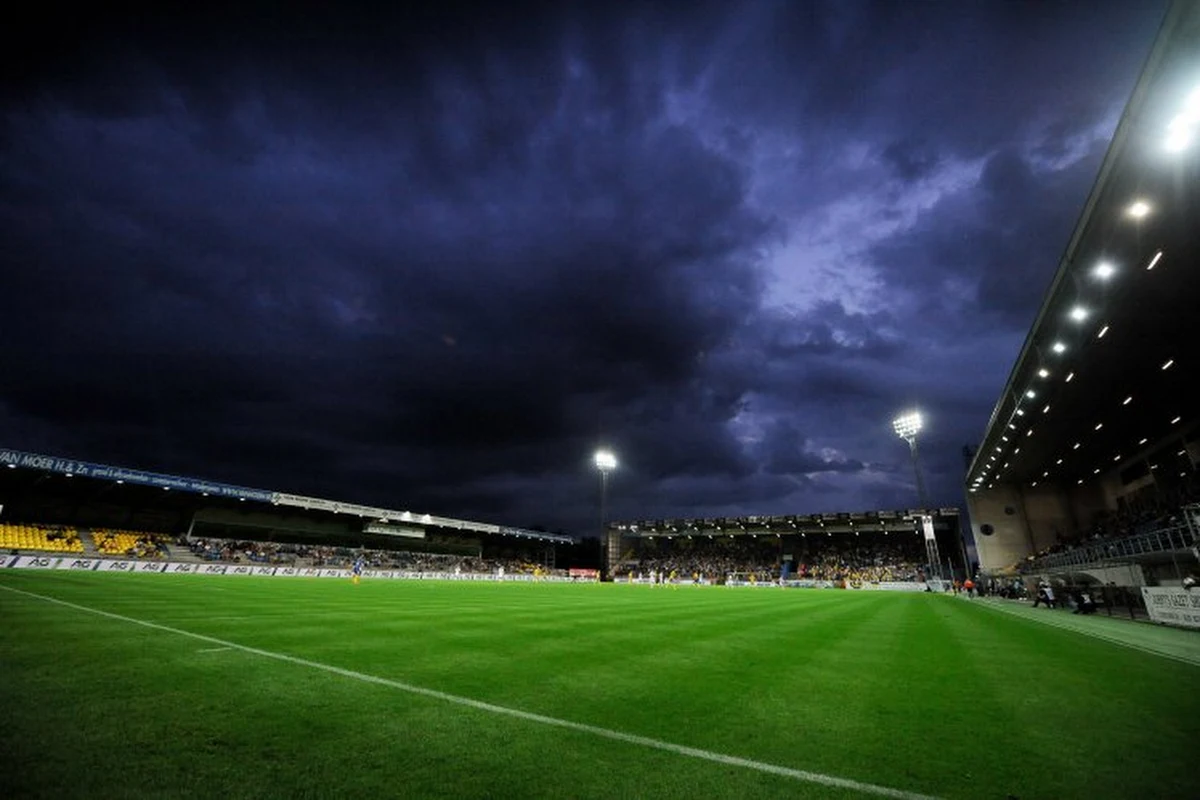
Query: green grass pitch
(922,694)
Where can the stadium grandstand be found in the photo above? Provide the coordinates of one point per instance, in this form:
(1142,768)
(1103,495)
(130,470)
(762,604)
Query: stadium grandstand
(837,549)
(58,506)
(1087,471)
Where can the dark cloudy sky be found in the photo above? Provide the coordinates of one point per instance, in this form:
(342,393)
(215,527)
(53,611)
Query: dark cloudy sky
(431,260)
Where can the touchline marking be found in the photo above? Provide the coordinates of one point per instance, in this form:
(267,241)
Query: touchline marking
(606,733)
(214,649)
(1111,639)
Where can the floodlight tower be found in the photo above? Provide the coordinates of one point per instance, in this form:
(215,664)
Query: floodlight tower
(907,426)
(606,462)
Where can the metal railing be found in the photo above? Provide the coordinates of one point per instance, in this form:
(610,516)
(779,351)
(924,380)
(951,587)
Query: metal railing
(1178,537)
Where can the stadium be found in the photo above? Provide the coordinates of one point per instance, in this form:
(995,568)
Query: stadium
(174,635)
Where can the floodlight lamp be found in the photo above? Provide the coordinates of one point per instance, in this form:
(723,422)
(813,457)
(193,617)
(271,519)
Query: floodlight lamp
(908,425)
(1058,347)
(1079,313)
(1182,129)
(1138,209)
(605,460)
(1178,137)
(1043,373)
(1104,270)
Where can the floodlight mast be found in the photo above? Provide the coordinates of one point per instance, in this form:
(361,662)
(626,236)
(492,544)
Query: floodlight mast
(907,426)
(606,462)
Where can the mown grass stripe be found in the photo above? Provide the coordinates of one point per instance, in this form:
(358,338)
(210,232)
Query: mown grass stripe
(594,730)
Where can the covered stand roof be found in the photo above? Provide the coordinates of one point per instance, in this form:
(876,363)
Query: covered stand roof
(1109,369)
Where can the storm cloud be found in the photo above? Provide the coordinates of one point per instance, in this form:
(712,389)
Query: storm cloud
(434,260)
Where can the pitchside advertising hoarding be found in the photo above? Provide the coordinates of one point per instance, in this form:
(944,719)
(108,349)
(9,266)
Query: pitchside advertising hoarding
(248,570)
(260,570)
(1173,606)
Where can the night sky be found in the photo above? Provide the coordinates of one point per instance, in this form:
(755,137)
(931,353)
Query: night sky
(431,260)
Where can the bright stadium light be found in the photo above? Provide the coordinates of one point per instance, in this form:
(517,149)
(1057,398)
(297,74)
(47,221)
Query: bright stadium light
(1179,136)
(605,460)
(1104,270)
(1058,347)
(1138,209)
(1182,128)
(908,426)
(1079,313)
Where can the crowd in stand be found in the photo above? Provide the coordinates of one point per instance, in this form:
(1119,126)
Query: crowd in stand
(341,557)
(230,550)
(132,544)
(840,558)
(1111,526)
(860,563)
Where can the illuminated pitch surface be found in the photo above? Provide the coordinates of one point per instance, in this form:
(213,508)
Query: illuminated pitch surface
(923,694)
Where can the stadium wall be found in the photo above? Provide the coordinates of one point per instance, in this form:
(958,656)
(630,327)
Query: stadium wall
(998,523)
(1026,519)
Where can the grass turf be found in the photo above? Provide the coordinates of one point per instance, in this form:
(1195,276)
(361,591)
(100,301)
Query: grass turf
(926,694)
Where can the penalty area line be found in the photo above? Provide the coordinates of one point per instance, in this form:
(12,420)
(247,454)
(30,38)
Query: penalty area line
(516,713)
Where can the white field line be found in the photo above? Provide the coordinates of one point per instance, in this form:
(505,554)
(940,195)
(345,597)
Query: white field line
(594,730)
(1095,635)
(214,649)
